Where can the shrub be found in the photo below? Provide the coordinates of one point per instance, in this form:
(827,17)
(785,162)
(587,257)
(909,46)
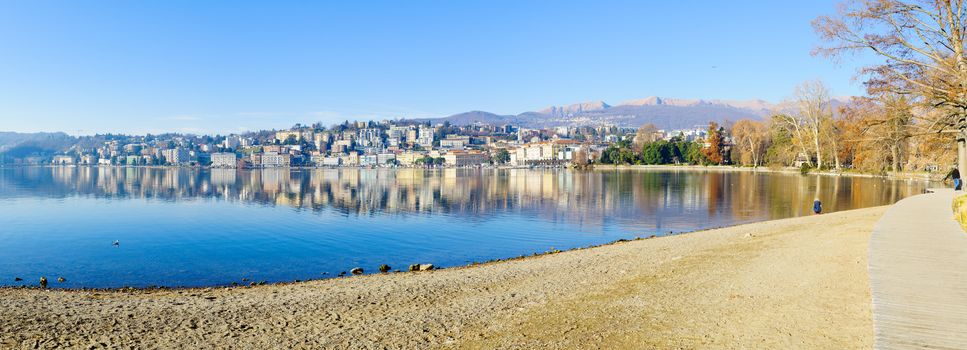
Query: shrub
(960,210)
(804,169)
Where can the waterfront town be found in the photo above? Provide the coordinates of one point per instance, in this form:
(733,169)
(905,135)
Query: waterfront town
(357,144)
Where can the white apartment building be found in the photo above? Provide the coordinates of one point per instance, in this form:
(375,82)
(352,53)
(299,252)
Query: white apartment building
(176,155)
(425,138)
(232,142)
(224,160)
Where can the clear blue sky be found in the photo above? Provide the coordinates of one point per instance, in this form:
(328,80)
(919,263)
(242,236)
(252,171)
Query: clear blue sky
(189,66)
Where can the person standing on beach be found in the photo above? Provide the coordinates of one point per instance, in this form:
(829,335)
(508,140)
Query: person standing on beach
(817,206)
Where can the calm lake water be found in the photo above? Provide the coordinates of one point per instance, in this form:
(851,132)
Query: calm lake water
(200,227)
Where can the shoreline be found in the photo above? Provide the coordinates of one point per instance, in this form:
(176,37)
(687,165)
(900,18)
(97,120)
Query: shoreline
(916,176)
(127,289)
(805,277)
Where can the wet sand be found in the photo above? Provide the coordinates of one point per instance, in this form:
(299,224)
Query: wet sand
(793,283)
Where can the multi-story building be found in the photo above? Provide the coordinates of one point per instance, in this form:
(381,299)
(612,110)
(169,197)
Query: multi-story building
(533,152)
(465,158)
(317,158)
(272,149)
(409,158)
(133,148)
(63,160)
(548,152)
(232,142)
(369,137)
(274,160)
(455,142)
(321,141)
(425,138)
(368,160)
(352,159)
(175,156)
(342,146)
(385,158)
(224,160)
(517,157)
(398,132)
(412,134)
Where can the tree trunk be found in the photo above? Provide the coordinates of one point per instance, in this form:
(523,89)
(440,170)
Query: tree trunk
(961,154)
(894,160)
(819,151)
(836,153)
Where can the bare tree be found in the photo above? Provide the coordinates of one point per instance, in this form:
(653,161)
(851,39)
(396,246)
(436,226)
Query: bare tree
(922,44)
(806,118)
(877,130)
(750,137)
(580,157)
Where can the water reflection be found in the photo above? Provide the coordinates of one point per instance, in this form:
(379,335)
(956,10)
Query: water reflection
(587,197)
(196,227)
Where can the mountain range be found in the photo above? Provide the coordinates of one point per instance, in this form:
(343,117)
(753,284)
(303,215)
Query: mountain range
(665,113)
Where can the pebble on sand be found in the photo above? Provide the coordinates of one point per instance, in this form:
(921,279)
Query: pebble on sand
(421,267)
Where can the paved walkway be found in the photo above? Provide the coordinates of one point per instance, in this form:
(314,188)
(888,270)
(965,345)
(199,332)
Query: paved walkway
(918,275)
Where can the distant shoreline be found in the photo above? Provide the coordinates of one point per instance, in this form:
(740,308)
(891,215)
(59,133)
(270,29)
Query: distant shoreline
(924,176)
(916,176)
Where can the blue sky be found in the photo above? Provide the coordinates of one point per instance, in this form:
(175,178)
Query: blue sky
(187,66)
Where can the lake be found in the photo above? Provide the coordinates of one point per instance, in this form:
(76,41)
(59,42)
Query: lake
(209,227)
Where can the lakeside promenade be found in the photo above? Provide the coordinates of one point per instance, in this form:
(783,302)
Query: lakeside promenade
(918,275)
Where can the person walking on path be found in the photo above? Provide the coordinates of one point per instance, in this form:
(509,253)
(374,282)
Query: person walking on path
(955,175)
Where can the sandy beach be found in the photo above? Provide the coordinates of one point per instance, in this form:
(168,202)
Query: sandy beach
(793,283)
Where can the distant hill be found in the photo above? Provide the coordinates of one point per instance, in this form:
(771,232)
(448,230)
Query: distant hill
(16,144)
(666,113)
(576,108)
(467,118)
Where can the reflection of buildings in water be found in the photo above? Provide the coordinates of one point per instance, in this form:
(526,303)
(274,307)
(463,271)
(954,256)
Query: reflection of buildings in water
(578,197)
(223,177)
